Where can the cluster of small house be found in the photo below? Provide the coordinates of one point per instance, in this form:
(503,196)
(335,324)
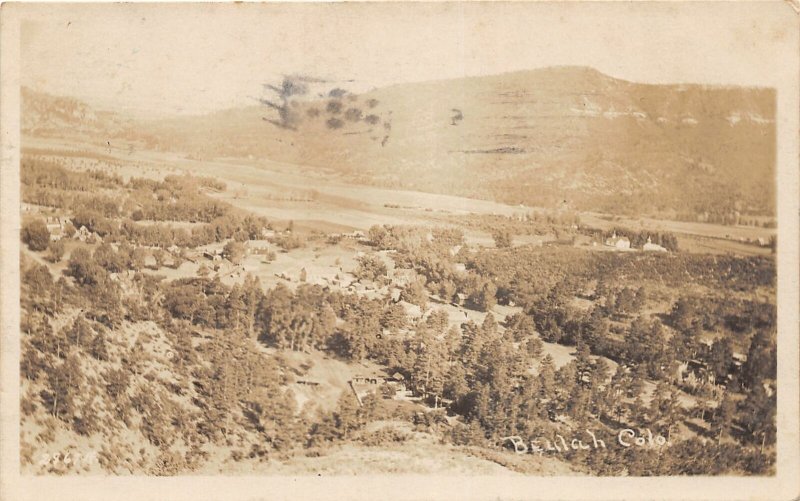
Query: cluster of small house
(393,386)
(56,226)
(695,372)
(624,244)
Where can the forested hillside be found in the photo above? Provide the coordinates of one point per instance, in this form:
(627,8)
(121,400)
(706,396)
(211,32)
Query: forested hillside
(149,346)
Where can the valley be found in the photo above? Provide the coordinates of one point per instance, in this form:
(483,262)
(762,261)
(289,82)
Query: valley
(398,282)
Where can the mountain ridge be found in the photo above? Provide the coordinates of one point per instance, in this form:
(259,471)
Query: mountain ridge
(545,137)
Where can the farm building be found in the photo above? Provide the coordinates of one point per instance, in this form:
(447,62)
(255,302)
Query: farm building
(55,225)
(212,252)
(214,255)
(258,246)
(391,386)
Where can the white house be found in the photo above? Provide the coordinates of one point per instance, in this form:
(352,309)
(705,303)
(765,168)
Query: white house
(651,247)
(618,242)
(258,246)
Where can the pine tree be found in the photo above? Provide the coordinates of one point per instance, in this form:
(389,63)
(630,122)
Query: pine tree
(637,407)
(98,348)
(761,361)
(489,326)
(617,390)
(683,314)
(80,333)
(637,380)
(471,345)
(251,295)
(723,417)
(534,347)
(347,416)
(455,382)
(757,414)
(583,360)
(452,341)
(720,357)
(236,308)
(547,377)
(63,381)
(625,301)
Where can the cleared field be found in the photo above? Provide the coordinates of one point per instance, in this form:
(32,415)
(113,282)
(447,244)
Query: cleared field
(317,201)
(262,188)
(734,233)
(692,243)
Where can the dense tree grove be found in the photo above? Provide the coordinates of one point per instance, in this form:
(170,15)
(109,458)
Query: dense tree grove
(36,235)
(86,197)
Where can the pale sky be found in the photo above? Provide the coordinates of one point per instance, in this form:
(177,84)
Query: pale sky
(195,58)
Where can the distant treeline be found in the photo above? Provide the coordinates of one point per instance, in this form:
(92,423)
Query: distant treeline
(637,238)
(729,218)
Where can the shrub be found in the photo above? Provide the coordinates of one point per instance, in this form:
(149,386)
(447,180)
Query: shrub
(233,251)
(69,229)
(36,235)
(56,251)
(502,239)
(370,268)
(287,242)
(386,436)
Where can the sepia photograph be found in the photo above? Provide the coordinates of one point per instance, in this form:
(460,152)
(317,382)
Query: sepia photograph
(524,242)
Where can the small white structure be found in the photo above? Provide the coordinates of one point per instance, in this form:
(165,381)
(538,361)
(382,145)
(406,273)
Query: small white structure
(258,246)
(651,247)
(55,225)
(618,242)
(83,234)
(356,235)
